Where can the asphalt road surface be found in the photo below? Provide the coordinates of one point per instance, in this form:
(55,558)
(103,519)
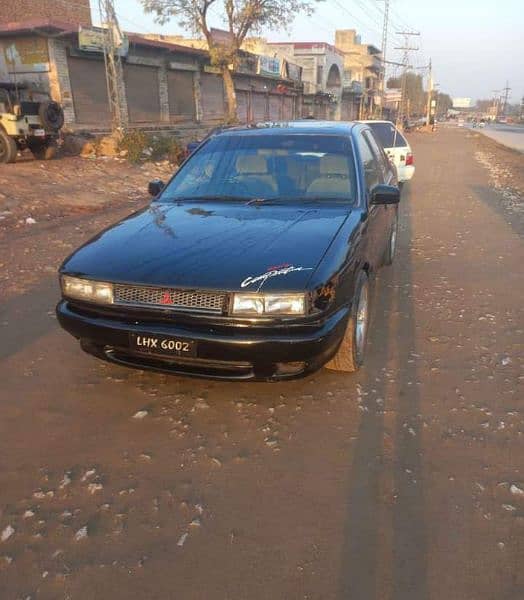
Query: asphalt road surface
(402,482)
(509,135)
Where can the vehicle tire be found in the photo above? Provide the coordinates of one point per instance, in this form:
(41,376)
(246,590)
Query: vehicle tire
(43,151)
(350,354)
(8,148)
(51,115)
(389,253)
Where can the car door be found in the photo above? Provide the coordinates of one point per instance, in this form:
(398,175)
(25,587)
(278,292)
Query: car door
(372,176)
(387,213)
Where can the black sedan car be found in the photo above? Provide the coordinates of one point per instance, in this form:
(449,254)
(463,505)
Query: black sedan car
(253,262)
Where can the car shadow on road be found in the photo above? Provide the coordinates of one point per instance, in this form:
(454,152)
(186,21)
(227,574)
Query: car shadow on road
(23,317)
(398,554)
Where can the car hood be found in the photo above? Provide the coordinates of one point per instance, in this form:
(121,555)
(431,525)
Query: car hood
(212,246)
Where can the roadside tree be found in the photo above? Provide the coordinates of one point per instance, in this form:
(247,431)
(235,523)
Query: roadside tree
(242,17)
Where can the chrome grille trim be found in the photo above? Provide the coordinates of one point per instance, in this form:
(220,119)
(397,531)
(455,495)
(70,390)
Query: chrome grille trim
(186,300)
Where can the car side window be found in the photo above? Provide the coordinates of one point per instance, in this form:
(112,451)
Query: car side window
(372,169)
(377,150)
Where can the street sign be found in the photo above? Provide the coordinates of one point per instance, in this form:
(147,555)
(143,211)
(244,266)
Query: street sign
(91,39)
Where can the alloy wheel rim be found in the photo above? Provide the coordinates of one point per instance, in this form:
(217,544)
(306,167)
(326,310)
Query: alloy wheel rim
(362,320)
(393,240)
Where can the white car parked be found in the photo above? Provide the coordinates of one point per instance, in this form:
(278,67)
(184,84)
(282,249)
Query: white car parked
(396,147)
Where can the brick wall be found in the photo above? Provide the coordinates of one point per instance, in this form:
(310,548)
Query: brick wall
(69,11)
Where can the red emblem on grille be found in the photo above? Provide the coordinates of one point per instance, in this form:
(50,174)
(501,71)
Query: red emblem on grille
(166,298)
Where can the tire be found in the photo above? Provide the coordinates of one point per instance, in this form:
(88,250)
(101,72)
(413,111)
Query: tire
(350,354)
(51,115)
(43,151)
(8,148)
(389,253)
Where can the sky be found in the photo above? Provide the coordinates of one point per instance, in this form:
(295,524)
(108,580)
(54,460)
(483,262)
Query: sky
(475,45)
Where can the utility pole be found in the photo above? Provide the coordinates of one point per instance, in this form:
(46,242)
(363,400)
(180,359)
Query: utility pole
(404,105)
(506,91)
(496,102)
(113,40)
(384,51)
(430,95)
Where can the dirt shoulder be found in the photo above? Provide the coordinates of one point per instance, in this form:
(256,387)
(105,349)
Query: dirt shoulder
(32,190)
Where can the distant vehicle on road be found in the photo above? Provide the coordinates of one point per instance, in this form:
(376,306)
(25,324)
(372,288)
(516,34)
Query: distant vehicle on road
(396,147)
(253,262)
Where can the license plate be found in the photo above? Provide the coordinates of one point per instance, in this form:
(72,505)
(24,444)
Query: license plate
(160,344)
(39,132)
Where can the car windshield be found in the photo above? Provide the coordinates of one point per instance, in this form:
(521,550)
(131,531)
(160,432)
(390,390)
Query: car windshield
(388,135)
(257,168)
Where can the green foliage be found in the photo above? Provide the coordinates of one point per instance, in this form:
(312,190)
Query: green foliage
(134,143)
(140,146)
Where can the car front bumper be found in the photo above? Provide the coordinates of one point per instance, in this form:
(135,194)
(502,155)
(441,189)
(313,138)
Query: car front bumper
(230,353)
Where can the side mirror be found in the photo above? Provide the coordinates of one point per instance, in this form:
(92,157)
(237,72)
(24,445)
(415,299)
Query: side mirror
(155,187)
(385,194)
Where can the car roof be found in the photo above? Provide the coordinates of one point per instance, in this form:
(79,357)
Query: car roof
(302,126)
(370,121)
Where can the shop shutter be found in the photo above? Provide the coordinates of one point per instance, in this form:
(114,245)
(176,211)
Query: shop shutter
(275,107)
(212,93)
(288,108)
(143,95)
(320,111)
(258,106)
(181,95)
(89,90)
(242,107)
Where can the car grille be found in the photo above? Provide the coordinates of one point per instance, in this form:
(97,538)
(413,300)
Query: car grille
(187,300)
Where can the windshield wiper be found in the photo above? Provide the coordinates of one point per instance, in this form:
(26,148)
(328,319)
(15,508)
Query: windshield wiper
(208,197)
(258,200)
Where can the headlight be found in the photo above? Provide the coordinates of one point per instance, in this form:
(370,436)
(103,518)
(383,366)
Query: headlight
(269,304)
(83,289)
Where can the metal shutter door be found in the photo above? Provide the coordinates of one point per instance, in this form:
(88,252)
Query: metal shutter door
(258,106)
(181,97)
(212,93)
(287,109)
(242,107)
(143,100)
(275,107)
(320,111)
(89,89)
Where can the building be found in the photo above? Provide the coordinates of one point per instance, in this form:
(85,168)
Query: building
(361,75)
(68,11)
(165,84)
(322,68)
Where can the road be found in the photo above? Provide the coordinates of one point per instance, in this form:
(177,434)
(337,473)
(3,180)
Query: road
(402,482)
(509,135)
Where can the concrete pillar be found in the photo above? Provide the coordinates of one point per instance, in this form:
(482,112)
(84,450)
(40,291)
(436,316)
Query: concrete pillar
(198,96)
(59,82)
(163,92)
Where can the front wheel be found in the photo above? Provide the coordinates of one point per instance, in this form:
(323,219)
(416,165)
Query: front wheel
(8,148)
(350,354)
(391,248)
